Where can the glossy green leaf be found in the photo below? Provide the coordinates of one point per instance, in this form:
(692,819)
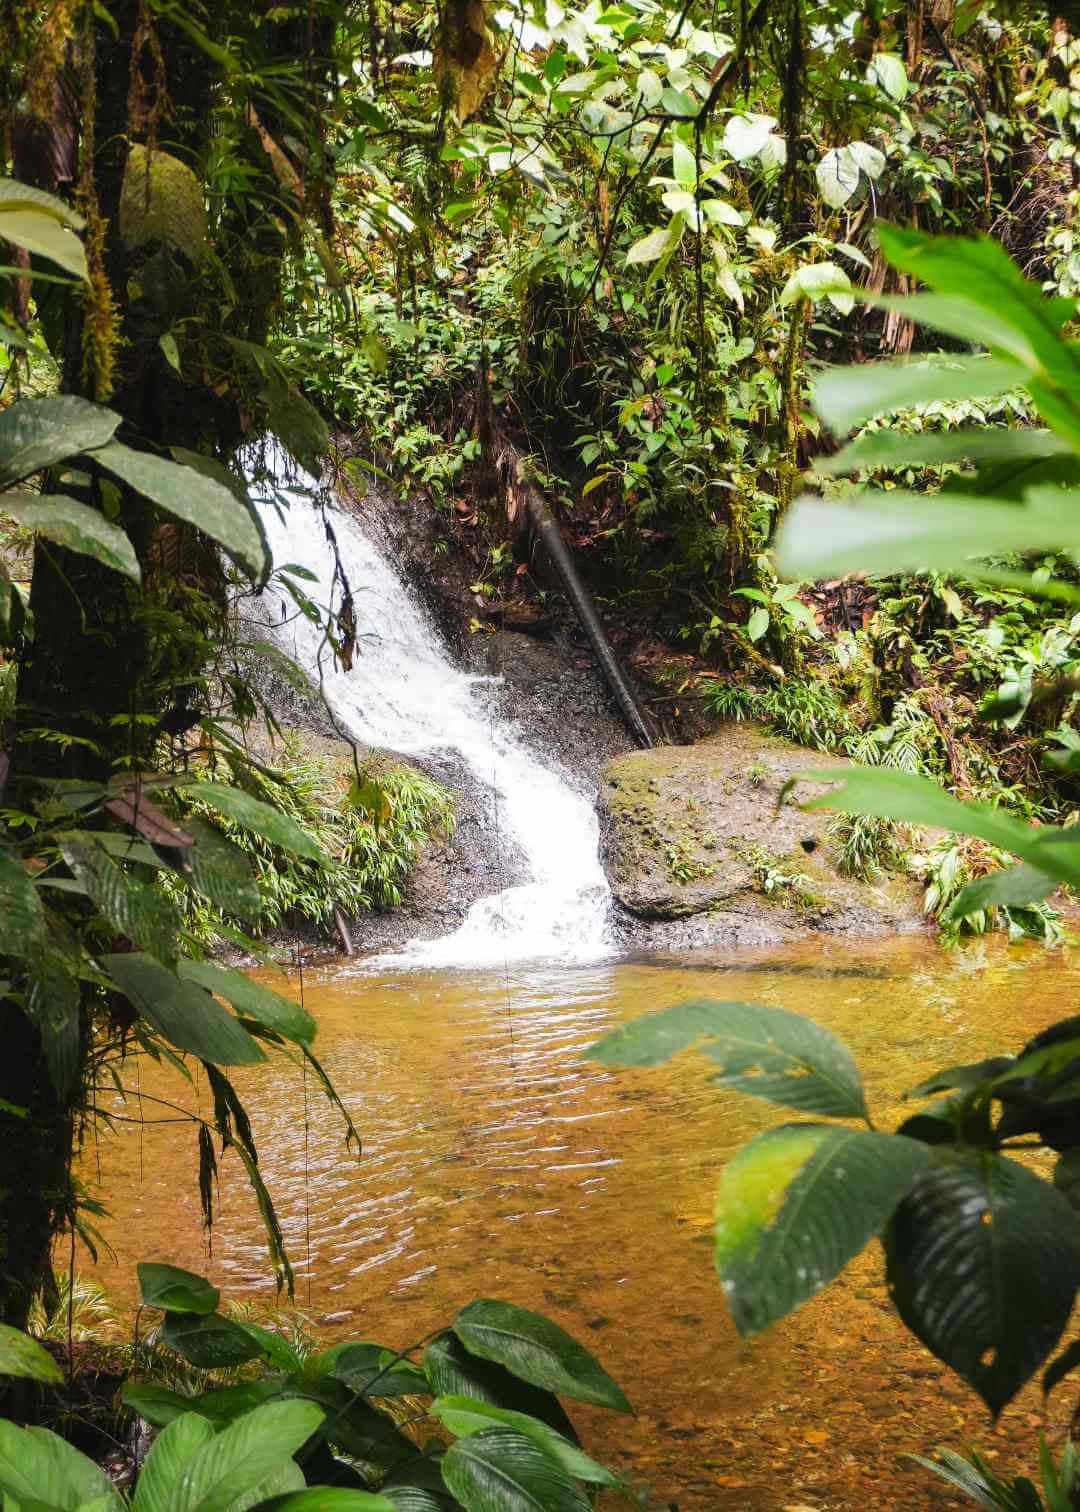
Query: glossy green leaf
(210,467)
(889,532)
(799,1202)
(220,870)
(766,1052)
(847,396)
(274,1346)
(1012,887)
(537,1350)
(186,1015)
(330,1499)
(917,800)
(159,1485)
(373,1370)
(190,496)
(44,235)
(465,1415)
(22,920)
(157,1404)
(174,1290)
(252,814)
(138,910)
(75,526)
(244,1455)
(53,1005)
(208,1340)
(20,1355)
(452,1371)
(252,999)
(931,448)
(983,1259)
(353,1425)
(501,1470)
(38,433)
(37,1466)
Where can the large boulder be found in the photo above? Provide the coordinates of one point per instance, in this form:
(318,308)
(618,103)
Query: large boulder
(698,851)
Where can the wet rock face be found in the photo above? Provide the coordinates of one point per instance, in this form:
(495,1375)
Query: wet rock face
(697,851)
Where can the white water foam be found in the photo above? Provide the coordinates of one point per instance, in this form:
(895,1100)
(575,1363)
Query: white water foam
(405,694)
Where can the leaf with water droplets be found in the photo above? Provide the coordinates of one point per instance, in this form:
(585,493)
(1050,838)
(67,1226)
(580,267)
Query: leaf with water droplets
(796,1205)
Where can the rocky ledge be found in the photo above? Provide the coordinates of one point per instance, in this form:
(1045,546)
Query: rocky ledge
(699,852)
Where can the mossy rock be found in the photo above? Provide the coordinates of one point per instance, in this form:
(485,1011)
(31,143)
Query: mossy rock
(688,831)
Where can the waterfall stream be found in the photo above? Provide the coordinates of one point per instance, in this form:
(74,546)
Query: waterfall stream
(405,694)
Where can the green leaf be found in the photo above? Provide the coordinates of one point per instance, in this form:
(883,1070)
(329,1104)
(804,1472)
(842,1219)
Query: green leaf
(44,235)
(208,1340)
(143,913)
(20,1355)
(847,396)
(38,433)
(453,1371)
(244,1455)
(252,999)
(160,1479)
(650,247)
(887,71)
(501,1470)
(796,1204)
(766,1052)
(537,1350)
(76,526)
(190,496)
(372,1369)
(210,467)
(15,195)
(917,800)
(37,1466)
(22,920)
(887,533)
(330,1499)
(928,448)
(1012,887)
(982,1264)
(53,1006)
(274,1346)
(252,814)
(157,1404)
(757,624)
(186,1015)
(219,870)
(174,1290)
(464,1415)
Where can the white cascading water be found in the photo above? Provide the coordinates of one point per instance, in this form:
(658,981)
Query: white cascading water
(405,694)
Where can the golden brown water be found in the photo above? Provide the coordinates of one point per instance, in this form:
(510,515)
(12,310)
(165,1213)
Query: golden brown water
(497,1162)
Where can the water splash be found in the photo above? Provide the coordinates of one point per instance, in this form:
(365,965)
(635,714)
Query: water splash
(405,694)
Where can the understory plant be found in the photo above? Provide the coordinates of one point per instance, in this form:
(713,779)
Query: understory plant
(467,1418)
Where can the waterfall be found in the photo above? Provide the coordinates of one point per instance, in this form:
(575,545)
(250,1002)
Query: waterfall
(405,694)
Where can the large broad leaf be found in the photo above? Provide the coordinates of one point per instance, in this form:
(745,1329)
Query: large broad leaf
(190,496)
(796,1204)
(37,1466)
(75,526)
(220,871)
(210,467)
(887,533)
(929,448)
(767,1052)
(208,1341)
(174,1290)
(1012,887)
(916,800)
(15,195)
(186,1015)
(372,1369)
(252,814)
(138,910)
(43,234)
(464,1415)
(53,1005)
(22,921)
(330,1499)
(20,1355)
(244,1455)
(253,999)
(983,1259)
(501,1470)
(453,1371)
(157,1404)
(172,1451)
(537,1350)
(848,396)
(37,433)
(353,1424)
(160,1406)
(274,1346)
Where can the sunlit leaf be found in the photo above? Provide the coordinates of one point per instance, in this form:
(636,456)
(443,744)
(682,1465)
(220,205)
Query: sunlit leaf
(537,1350)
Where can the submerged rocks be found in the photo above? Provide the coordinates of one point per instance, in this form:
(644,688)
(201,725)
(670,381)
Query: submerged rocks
(697,851)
